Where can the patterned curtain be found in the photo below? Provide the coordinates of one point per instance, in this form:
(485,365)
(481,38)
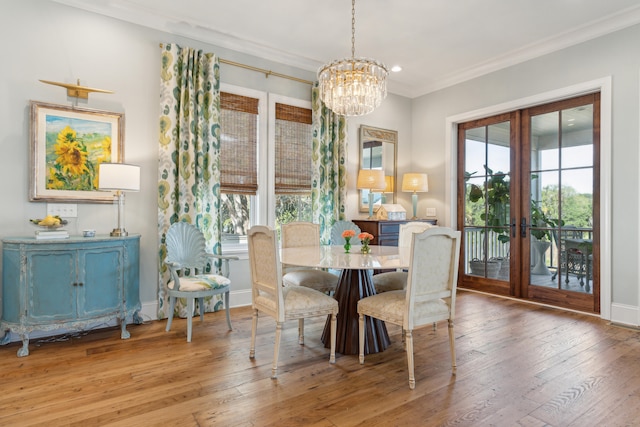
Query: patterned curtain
(188,154)
(329,179)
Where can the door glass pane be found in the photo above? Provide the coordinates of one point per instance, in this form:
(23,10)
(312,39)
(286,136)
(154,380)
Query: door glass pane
(543,218)
(498,158)
(577,197)
(577,137)
(545,141)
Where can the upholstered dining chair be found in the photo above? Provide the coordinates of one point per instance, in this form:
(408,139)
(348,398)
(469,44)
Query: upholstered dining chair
(430,295)
(282,303)
(296,234)
(190,266)
(397,280)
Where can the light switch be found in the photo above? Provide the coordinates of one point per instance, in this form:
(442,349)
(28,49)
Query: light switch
(63,210)
(431,212)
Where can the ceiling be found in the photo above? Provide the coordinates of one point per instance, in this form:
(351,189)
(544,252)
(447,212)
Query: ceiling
(438,43)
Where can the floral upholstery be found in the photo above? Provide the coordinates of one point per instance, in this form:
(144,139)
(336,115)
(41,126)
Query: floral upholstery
(429,296)
(201,282)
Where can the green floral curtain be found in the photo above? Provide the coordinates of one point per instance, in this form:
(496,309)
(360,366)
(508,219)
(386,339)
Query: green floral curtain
(329,179)
(188,154)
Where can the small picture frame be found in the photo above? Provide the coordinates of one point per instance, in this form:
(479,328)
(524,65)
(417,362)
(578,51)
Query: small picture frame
(67,145)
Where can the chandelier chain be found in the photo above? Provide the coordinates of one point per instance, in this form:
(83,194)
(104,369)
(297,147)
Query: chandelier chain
(353,28)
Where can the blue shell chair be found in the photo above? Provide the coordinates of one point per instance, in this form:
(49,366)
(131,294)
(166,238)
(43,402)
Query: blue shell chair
(338,227)
(187,261)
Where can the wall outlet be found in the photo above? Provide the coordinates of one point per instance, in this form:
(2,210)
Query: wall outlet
(431,212)
(63,210)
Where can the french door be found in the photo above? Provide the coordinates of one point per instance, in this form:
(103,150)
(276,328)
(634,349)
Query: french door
(528,203)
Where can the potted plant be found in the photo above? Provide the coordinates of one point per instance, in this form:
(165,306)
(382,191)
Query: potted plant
(541,237)
(496,192)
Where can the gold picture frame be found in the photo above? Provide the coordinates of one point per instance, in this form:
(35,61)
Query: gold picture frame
(67,145)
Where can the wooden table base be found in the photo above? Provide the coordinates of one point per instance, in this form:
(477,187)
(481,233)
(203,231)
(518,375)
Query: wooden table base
(352,287)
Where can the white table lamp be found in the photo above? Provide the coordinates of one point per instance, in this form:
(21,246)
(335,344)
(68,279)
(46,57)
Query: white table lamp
(415,183)
(119,177)
(372,180)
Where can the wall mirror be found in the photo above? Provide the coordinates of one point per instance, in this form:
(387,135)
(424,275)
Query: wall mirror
(378,150)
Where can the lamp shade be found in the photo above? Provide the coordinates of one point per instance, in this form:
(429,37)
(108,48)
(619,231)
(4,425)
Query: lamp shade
(118,176)
(390,185)
(415,182)
(371,179)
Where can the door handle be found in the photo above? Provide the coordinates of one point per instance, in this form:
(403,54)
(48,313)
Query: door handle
(513,227)
(523,227)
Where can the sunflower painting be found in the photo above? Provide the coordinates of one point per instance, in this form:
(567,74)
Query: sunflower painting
(69,145)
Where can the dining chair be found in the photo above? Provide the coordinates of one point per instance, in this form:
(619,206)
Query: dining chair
(397,280)
(282,303)
(430,295)
(297,234)
(190,266)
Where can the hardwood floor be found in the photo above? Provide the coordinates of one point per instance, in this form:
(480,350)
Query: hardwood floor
(518,365)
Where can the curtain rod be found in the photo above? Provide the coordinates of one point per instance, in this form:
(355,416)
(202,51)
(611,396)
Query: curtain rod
(266,73)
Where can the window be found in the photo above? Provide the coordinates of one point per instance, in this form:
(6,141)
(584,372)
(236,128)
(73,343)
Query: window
(265,175)
(293,142)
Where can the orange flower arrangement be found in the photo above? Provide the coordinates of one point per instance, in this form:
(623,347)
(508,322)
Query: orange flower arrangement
(365,237)
(348,234)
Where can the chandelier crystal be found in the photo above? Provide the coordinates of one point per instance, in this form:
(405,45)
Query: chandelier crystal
(353,86)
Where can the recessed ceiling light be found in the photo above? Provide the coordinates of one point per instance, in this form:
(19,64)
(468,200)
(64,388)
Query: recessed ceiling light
(396,68)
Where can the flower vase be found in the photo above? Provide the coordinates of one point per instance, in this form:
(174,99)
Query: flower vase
(365,249)
(347,246)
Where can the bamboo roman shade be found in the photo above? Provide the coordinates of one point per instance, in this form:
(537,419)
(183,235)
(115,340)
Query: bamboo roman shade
(293,149)
(238,146)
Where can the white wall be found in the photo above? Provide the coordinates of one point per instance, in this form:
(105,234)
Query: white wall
(615,55)
(50,41)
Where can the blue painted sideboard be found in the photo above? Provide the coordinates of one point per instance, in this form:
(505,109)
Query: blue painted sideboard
(71,284)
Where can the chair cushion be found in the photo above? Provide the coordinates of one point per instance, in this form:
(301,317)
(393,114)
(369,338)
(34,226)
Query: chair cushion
(301,301)
(201,282)
(390,307)
(390,281)
(316,279)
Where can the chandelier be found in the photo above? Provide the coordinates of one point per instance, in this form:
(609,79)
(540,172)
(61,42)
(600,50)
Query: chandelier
(353,86)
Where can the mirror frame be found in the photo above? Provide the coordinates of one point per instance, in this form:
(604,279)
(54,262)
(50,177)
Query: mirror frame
(386,136)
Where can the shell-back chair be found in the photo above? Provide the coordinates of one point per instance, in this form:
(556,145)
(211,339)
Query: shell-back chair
(189,265)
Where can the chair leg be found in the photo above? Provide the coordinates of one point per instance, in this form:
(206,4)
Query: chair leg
(226,306)
(201,305)
(172,306)
(190,303)
(361,337)
(412,377)
(276,351)
(334,322)
(452,345)
(301,331)
(254,327)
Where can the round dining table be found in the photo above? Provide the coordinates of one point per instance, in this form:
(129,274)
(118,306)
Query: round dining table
(355,283)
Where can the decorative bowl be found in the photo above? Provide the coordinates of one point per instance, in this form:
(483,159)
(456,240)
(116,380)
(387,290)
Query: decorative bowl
(36,222)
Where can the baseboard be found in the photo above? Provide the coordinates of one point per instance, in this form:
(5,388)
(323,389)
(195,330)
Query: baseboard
(148,312)
(624,314)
